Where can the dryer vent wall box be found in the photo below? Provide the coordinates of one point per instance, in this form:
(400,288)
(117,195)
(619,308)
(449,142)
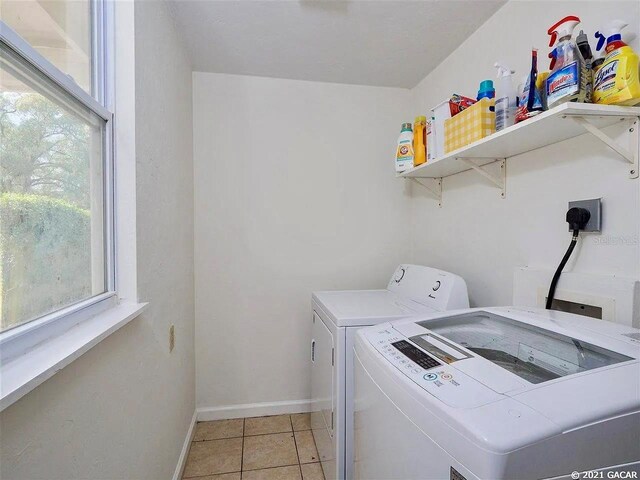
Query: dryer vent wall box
(608,297)
(514,393)
(412,290)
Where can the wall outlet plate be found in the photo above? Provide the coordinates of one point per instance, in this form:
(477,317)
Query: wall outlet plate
(595,208)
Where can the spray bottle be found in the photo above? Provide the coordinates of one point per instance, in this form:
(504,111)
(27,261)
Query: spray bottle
(529,98)
(506,97)
(617,81)
(567,81)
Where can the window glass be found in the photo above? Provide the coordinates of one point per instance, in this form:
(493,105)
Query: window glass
(52,250)
(60,30)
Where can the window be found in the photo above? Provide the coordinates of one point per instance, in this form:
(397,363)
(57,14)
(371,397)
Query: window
(56,178)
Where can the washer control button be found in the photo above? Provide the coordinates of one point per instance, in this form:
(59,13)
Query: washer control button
(430,377)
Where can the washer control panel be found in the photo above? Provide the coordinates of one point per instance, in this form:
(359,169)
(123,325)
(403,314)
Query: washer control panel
(415,354)
(439,379)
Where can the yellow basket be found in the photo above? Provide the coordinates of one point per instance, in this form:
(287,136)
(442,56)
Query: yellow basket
(472,124)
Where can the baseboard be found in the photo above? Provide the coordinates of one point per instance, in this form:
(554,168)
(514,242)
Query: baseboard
(182,460)
(253,410)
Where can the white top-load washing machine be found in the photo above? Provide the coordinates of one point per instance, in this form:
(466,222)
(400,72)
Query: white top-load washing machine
(497,393)
(412,290)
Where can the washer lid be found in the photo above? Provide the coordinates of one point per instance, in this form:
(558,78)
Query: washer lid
(533,353)
(350,308)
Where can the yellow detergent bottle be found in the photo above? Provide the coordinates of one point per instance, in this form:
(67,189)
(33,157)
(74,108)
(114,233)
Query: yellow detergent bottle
(617,81)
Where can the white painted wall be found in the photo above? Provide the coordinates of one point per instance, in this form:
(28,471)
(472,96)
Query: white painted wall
(123,409)
(484,238)
(294,192)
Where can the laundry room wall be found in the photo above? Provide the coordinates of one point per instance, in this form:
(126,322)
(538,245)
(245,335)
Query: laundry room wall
(294,192)
(123,409)
(485,238)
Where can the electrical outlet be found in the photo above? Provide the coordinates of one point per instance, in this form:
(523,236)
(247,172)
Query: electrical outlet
(172,338)
(595,208)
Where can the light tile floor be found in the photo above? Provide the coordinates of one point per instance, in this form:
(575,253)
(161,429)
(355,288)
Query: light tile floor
(280,447)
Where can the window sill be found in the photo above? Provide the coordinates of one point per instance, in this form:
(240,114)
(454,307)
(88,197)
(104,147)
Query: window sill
(22,374)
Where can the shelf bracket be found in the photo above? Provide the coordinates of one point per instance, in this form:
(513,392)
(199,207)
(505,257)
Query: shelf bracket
(435,189)
(499,180)
(629,154)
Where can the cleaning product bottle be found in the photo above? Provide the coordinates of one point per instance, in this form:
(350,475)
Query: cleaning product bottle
(431,139)
(585,49)
(486,90)
(420,141)
(541,88)
(529,101)
(617,81)
(404,152)
(598,60)
(567,81)
(506,98)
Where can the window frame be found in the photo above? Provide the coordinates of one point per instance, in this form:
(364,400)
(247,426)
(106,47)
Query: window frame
(18,340)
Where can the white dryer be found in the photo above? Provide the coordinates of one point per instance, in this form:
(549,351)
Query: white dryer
(497,393)
(412,290)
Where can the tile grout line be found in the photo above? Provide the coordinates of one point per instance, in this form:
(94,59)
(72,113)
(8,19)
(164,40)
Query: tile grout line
(241,436)
(242,454)
(295,442)
(274,433)
(271,468)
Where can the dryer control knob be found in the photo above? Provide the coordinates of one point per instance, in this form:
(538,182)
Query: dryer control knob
(436,287)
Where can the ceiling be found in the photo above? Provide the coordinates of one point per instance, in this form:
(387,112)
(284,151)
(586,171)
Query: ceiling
(382,43)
